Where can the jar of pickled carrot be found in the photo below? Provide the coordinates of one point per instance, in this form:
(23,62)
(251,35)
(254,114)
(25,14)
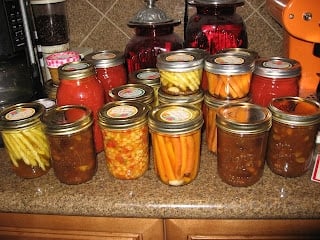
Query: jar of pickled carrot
(274,77)
(242,130)
(176,135)
(292,140)
(229,75)
(126,138)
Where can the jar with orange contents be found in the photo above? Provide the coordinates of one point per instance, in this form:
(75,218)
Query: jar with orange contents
(126,138)
(176,135)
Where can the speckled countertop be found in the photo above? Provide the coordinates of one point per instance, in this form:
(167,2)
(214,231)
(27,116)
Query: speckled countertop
(206,197)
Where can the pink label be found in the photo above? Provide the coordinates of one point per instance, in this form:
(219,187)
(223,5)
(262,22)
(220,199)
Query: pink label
(316,170)
(123,111)
(176,115)
(20,113)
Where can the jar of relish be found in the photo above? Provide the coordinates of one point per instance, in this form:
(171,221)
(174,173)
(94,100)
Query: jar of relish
(79,86)
(295,123)
(274,77)
(110,69)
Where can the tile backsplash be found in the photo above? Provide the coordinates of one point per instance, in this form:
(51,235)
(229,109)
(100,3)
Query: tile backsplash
(102,24)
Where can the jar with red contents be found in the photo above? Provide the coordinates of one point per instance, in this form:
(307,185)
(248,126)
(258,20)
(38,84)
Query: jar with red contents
(79,86)
(110,69)
(274,77)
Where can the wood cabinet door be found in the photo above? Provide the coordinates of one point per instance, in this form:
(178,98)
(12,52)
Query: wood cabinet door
(52,227)
(192,229)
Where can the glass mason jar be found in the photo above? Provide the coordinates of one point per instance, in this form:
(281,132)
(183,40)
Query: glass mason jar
(176,138)
(215,26)
(229,75)
(126,138)
(79,86)
(110,69)
(295,123)
(69,132)
(180,72)
(24,139)
(274,77)
(242,142)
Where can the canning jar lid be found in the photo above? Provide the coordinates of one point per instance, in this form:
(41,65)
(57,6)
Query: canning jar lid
(229,63)
(123,114)
(277,67)
(45,1)
(21,115)
(179,60)
(57,59)
(105,58)
(242,51)
(67,119)
(148,76)
(194,98)
(48,103)
(217,2)
(133,92)
(76,70)
(295,111)
(243,118)
(175,118)
(214,102)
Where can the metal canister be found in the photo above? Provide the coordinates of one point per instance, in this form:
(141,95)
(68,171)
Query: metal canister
(176,134)
(295,123)
(242,142)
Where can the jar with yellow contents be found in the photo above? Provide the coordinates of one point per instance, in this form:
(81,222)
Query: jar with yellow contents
(126,138)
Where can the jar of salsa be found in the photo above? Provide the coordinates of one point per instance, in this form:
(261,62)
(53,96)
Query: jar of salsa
(176,135)
(295,123)
(126,138)
(79,86)
(274,77)
(24,139)
(110,69)
(242,142)
(69,132)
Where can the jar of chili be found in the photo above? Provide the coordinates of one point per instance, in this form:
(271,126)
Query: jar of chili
(24,139)
(110,69)
(79,86)
(69,132)
(176,135)
(126,138)
(295,123)
(274,77)
(242,130)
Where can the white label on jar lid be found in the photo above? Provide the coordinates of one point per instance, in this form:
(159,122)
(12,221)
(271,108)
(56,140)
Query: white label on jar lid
(176,115)
(75,66)
(148,75)
(229,60)
(180,57)
(124,111)
(277,63)
(103,56)
(131,92)
(20,113)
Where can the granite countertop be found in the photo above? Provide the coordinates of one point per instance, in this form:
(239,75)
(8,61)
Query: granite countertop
(206,197)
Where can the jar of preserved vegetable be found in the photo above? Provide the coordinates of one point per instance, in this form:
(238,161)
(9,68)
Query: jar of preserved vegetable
(24,139)
(242,130)
(176,135)
(126,138)
(69,132)
(295,123)
(180,71)
(274,77)
(79,86)
(110,69)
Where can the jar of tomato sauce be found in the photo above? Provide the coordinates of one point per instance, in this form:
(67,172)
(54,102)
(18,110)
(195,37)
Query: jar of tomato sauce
(79,86)
(69,132)
(176,135)
(110,69)
(242,142)
(274,77)
(295,123)
(126,138)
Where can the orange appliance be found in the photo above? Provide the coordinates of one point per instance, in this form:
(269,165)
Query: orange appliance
(301,22)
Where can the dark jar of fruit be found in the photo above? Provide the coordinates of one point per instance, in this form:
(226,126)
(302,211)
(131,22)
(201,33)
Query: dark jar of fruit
(292,139)
(215,26)
(69,132)
(154,34)
(242,130)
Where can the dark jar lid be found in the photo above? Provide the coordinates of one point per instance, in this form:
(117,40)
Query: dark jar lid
(105,58)
(76,70)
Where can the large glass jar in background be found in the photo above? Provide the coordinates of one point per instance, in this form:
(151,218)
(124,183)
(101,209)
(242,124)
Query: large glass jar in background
(154,34)
(24,139)
(79,86)
(110,69)
(215,26)
(295,123)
